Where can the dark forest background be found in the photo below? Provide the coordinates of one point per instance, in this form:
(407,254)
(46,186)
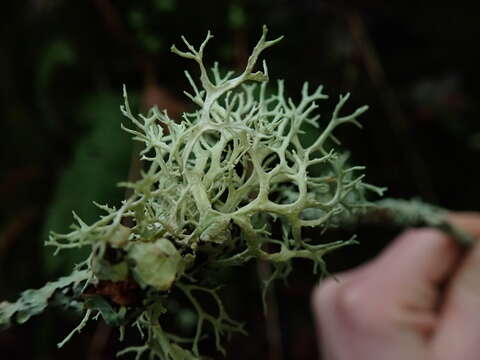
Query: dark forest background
(62,67)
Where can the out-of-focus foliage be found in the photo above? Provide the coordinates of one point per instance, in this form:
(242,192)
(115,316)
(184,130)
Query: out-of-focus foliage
(97,50)
(101,157)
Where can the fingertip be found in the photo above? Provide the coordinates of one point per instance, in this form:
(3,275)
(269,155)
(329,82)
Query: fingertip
(468,221)
(425,254)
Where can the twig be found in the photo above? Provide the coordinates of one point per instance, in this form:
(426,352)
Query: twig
(411,213)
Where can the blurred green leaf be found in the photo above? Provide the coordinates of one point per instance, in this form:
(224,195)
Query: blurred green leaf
(101,159)
(236,16)
(58,53)
(165,5)
(151,43)
(136,19)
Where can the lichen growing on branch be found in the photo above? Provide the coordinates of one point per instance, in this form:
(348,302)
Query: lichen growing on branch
(217,183)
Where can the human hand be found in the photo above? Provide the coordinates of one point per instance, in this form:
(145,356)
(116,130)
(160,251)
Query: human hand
(420,299)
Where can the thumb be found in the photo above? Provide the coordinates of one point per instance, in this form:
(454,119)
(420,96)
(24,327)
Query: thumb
(411,268)
(383,309)
(456,336)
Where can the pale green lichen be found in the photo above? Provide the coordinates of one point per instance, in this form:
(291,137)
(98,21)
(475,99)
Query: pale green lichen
(34,302)
(411,213)
(217,184)
(157,263)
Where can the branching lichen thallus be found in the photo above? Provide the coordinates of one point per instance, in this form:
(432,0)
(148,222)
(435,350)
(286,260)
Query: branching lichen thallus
(217,184)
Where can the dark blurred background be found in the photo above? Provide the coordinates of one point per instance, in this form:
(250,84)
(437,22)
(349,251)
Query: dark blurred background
(62,67)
